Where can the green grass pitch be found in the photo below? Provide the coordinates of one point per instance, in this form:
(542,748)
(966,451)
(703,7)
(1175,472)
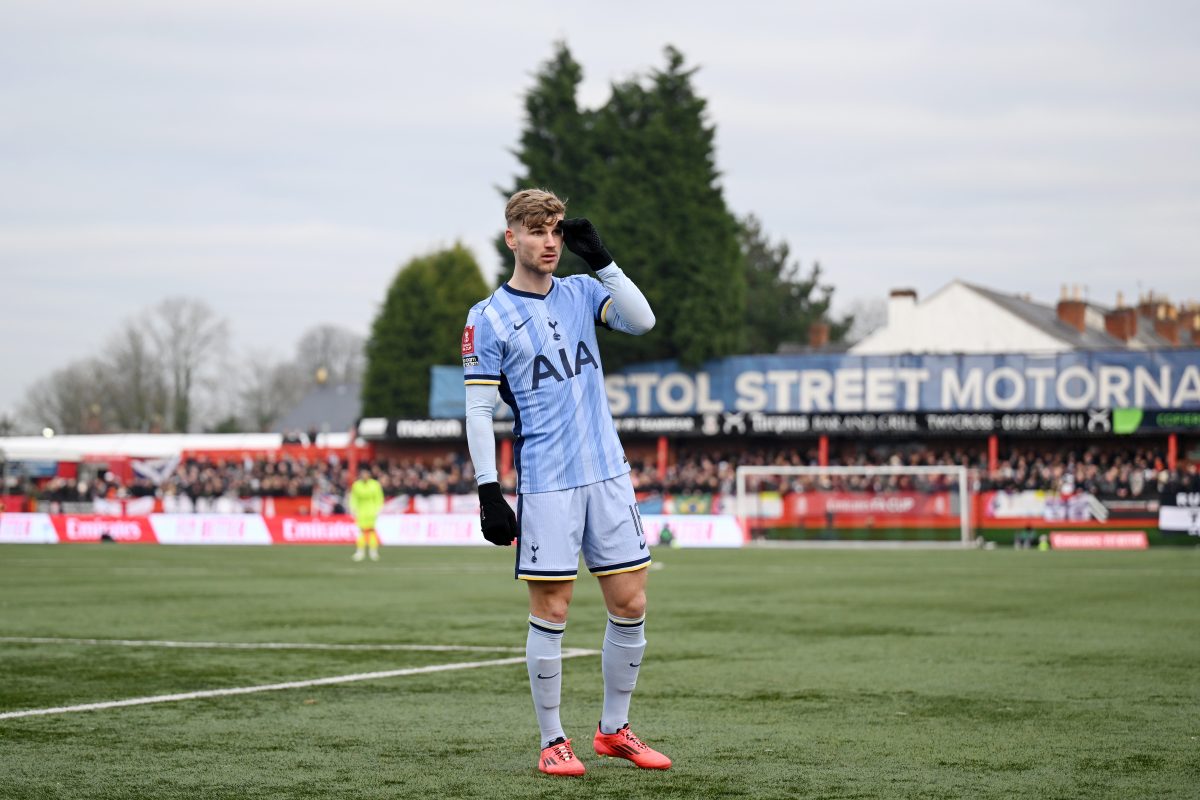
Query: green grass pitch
(770,673)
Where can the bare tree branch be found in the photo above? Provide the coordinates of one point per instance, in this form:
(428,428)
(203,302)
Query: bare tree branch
(190,339)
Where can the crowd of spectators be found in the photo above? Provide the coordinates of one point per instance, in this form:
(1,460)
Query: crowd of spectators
(72,490)
(290,477)
(1107,473)
(707,472)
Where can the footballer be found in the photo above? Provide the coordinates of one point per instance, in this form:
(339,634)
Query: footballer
(366,501)
(533,344)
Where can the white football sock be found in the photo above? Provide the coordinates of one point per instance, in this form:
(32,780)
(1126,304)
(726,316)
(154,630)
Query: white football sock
(620,658)
(543,657)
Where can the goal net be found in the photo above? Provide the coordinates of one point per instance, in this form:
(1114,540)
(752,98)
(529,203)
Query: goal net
(906,503)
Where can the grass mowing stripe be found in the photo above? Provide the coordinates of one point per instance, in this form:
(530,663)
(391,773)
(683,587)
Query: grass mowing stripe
(274,687)
(418,648)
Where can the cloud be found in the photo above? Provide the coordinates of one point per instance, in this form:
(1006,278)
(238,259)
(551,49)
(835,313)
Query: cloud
(280,160)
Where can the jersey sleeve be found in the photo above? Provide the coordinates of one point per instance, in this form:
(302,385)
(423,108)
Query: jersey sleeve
(481,351)
(626,308)
(599,299)
(481,438)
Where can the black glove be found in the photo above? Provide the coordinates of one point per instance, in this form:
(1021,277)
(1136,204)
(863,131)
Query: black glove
(582,239)
(496,517)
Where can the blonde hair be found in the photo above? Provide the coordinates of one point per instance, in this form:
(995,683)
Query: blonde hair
(532,207)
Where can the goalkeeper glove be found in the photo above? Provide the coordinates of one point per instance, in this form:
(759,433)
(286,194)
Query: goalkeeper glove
(581,238)
(496,517)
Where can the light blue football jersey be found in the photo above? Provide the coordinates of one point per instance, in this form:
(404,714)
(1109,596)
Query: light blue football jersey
(542,353)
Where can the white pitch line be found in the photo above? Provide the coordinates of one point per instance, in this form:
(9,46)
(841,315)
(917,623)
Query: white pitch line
(429,648)
(274,687)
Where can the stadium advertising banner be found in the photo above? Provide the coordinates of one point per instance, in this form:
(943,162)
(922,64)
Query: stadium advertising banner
(900,505)
(27,529)
(853,509)
(806,384)
(429,529)
(312,530)
(210,529)
(1095,540)
(1035,505)
(694,530)
(1179,512)
(91,529)
(839,384)
(698,530)
(1089,422)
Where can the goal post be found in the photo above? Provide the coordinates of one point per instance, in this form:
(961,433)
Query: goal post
(902,503)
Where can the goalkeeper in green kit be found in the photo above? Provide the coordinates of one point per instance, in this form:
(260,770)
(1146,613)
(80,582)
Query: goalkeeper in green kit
(366,501)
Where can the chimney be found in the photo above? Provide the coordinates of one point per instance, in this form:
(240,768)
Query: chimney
(1189,324)
(1166,325)
(1152,307)
(1121,322)
(902,311)
(818,335)
(1072,312)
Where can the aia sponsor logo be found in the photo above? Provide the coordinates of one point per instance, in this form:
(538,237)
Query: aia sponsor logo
(468,340)
(544,368)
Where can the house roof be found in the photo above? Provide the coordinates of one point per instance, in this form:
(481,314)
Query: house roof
(334,407)
(1045,318)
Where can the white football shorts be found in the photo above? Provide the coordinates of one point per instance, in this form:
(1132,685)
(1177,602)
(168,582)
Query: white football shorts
(601,520)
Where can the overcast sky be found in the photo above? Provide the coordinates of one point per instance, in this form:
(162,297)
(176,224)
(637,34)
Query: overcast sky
(280,160)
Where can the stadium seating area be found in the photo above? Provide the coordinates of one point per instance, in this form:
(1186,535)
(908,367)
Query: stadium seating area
(715,472)
(1122,473)
(1104,472)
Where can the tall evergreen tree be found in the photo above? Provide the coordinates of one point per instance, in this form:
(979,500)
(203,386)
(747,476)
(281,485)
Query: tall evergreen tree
(659,186)
(419,325)
(556,147)
(781,301)
(643,168)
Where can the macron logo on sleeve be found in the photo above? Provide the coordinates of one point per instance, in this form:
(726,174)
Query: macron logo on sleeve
(468,340)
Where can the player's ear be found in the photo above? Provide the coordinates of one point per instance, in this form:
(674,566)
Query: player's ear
(510,238)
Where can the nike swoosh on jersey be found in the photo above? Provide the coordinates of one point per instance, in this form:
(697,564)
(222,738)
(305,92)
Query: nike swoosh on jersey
(521,324)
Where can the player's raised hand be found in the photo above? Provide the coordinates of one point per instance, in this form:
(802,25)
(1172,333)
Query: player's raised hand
(496,516)
(581,238)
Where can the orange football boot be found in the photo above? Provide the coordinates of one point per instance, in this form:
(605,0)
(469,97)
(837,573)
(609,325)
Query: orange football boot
(559,759)
(625,744)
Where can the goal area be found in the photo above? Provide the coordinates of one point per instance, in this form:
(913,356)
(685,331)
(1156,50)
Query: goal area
(840,504)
